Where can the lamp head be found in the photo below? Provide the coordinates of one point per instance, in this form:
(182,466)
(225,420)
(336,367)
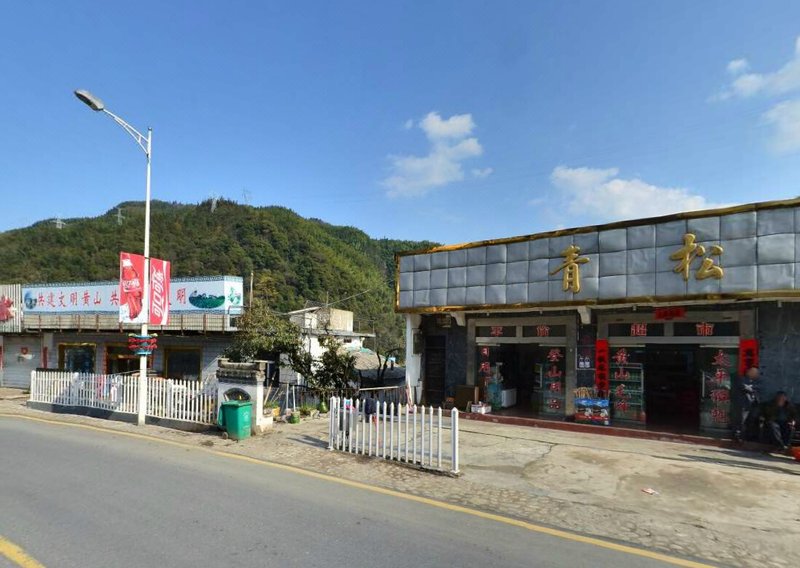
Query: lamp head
(90,100)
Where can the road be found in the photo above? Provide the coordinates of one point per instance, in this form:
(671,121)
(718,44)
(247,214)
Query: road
(85,498)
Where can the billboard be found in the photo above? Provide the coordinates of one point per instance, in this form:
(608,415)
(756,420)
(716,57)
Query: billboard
(213,294)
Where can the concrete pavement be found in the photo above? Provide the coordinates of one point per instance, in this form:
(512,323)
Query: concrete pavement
(88,499)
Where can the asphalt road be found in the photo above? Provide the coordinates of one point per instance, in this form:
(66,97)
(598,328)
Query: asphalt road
(80,498)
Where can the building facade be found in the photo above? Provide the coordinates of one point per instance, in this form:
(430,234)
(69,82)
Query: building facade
(659,317)
(75,327)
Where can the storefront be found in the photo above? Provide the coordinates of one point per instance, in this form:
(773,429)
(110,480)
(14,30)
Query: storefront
(650,322)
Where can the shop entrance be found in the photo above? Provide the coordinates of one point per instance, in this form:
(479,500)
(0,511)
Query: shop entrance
(120,359)
(435,367)
(673,387)
(526,379)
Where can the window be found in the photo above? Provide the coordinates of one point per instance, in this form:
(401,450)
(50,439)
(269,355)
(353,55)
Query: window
(77,357)
(183,363)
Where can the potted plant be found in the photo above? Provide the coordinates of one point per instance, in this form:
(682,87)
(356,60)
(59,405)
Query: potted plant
(273,407)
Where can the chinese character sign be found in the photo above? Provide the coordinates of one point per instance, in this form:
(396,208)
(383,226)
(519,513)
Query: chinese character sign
(689,252)
(571,269)
(716,402)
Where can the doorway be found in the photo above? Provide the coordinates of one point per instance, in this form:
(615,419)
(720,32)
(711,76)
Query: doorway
(120,360)
(672,387)
(435,367)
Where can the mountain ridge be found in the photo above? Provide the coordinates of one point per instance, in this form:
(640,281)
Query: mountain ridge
(294,260)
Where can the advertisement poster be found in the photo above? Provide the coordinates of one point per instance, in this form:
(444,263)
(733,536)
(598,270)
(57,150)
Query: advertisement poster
(211,294)
(131,288)
(159,291)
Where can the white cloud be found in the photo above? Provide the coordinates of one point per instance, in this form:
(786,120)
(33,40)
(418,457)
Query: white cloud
(451,145)
(482,173)
(738,66)
(409,124)
(784,80)
(456,127)
(783,117)
(785,120)
(601,195)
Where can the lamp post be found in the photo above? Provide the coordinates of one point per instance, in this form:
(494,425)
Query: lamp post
(145,143)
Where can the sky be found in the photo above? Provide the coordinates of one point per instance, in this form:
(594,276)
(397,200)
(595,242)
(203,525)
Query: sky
(446,121)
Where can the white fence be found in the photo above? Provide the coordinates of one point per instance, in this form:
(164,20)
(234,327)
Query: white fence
(405,433)
(106,392)
(186,401)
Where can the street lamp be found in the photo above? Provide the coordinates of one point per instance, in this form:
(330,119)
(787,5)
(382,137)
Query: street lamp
(145,143)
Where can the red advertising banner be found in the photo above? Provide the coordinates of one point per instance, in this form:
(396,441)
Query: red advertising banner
(601,367)
(131,288)
(748,354)
(159,292)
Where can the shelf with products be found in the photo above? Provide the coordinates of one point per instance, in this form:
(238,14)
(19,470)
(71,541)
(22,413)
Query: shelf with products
(626,380)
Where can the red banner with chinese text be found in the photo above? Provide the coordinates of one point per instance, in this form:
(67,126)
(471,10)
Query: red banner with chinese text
(748,354)
(601,367)
(159,291)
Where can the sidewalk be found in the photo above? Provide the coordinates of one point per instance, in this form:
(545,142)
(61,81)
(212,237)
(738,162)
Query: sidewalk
(714,504)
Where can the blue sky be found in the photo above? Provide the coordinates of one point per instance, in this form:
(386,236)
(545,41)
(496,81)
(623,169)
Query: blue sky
(449,121)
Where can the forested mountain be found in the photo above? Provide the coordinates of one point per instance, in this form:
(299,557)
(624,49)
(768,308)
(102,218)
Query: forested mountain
(294,259)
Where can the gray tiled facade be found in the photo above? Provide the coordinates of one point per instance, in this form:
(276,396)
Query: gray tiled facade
(761,253)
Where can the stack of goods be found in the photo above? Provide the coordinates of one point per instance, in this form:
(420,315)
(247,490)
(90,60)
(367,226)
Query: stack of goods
(590,409)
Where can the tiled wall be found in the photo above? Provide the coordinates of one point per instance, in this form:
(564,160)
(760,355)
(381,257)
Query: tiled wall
(761,253)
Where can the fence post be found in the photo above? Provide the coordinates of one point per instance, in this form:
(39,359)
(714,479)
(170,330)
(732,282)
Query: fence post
(383,440)
(358,412)
(414,437)
(391,431)
(430,438)
(422,437)
(439,443)
(406,434)
(331,414)
(454,438)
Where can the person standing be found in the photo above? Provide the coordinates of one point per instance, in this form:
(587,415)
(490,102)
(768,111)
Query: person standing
(779,420)
(749,403)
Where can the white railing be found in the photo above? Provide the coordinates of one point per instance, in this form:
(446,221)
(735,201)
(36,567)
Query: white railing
(182,400)
(412,434)
(106,392)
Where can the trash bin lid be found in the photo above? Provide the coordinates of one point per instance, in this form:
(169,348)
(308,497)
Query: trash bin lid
(237,403)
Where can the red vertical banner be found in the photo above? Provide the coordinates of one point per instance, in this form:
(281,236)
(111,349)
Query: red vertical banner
(748,354)
(159,291)
(131,288)
(601,367)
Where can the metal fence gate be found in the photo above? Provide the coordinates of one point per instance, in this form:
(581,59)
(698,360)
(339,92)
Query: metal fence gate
(419,435)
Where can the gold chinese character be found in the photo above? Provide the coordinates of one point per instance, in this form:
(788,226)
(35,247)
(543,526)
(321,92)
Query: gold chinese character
(686,254)
(690,251)
(708,269)
(571,279)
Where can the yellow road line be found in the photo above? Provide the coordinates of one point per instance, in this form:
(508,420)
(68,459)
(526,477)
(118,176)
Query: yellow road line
(16,555)
(398,494)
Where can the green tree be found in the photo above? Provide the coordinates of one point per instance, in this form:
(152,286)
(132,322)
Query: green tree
(264,335)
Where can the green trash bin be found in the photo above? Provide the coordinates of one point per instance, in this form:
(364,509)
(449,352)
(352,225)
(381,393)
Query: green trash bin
(236,417)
